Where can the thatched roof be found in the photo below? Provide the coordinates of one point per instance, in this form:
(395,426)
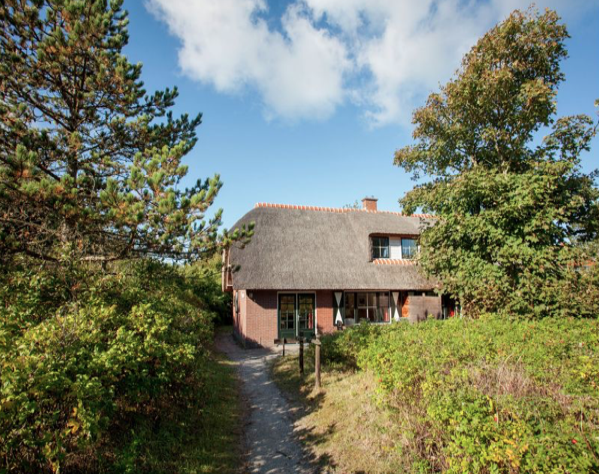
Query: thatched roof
(305,248)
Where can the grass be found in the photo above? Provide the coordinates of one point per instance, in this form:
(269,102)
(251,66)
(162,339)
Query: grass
(343,425)
(214,445)
(198,434)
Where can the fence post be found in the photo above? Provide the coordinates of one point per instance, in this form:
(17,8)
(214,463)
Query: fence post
(284,341)
(301,354)
(317,345)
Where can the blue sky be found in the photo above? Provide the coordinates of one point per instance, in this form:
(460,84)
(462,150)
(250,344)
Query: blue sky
(305,101)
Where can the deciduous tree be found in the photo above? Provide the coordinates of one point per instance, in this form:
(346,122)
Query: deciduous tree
(512,208)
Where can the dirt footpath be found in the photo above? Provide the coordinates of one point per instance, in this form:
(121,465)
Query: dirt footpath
(270,443)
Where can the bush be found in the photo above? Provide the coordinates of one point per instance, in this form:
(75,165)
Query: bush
(205,279)
(80,353)
(491,395)
(343,348)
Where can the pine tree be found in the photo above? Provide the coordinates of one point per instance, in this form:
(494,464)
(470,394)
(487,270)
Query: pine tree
(511,211)
(90,165)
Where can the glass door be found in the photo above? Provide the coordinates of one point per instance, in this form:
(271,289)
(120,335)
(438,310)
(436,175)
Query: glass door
(362,307)
(306,315)
(286,316)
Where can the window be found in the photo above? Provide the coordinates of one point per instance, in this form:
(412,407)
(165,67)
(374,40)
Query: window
(382,308)
(287,313)
(380,247)
(371,307)
(306,312)
(367,306)
(350,305)
(408,249)
(423,293)
(362,307)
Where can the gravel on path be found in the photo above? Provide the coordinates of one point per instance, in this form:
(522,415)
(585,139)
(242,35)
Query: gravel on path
(270,442)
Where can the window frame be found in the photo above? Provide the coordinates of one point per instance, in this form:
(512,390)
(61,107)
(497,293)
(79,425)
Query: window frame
(415,252)
(296,294)
(371,310)
(379,247)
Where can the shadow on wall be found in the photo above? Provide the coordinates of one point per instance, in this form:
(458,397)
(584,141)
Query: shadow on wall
(421,308)
(247,342)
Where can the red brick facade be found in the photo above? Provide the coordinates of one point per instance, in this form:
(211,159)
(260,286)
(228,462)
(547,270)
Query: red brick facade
(238,313)
(324,311)
(256,320)
(261,317)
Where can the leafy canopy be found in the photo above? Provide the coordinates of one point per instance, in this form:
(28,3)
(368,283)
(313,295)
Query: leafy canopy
(510,209)
(90,171)
(90,164)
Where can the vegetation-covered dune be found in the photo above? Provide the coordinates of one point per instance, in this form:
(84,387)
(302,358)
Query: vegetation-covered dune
(488,395)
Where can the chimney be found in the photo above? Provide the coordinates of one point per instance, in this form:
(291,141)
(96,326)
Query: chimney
(369,204)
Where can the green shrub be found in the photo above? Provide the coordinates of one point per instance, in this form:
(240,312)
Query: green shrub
(491,395)
(78,359)
(342,348)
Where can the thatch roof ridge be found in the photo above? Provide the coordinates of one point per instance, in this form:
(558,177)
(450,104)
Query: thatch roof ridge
(338,209)
(309,248)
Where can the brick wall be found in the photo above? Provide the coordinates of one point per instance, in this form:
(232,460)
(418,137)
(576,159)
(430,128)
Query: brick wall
(256,323)
(261,318)
(324,308)
(405,304)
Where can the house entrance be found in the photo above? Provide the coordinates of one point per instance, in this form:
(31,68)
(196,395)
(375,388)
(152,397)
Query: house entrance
(297,315)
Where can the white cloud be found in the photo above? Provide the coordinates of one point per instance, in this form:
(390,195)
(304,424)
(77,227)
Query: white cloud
(299,72)
(385,55)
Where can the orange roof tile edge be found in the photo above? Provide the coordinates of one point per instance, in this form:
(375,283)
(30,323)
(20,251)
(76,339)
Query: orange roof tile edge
(393,261)
(337,209)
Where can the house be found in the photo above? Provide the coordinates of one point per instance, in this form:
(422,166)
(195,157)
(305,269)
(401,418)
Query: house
(309,270)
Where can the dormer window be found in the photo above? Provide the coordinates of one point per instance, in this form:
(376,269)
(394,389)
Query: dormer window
(408,249)
(394,247)
(380,247)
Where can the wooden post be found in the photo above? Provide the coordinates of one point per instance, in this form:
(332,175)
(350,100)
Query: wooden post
(301,354)
(284,341)
(317,345)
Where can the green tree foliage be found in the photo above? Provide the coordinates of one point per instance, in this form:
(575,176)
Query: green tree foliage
(207,281)
(98,335)
(512,211)
(89,163)
(77,375)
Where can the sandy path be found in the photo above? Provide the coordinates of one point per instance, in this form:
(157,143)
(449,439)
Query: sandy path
(269,439)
